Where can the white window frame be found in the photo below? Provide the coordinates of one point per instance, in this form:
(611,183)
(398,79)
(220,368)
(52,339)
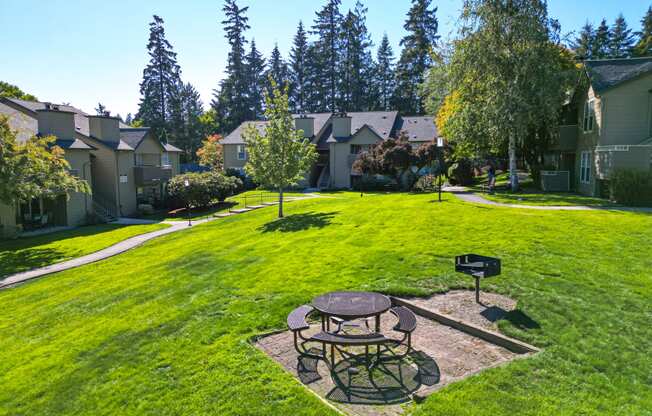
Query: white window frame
(588,121)
(585,167)
(241,152)
(165,159)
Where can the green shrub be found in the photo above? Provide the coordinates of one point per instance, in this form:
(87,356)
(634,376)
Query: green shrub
(426,183)
(202,189)
(631,187)
(367,183)
(247,182)
(461,172)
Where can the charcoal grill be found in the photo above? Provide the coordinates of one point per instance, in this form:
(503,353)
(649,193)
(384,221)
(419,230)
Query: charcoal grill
(479,267)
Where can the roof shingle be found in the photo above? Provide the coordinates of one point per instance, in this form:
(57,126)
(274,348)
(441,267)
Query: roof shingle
(608,73)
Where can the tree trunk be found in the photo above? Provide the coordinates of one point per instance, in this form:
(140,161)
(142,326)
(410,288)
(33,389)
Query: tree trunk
(280,202)
(513,175)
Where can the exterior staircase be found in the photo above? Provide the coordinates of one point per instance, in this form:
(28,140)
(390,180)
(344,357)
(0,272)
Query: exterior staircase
(102,210)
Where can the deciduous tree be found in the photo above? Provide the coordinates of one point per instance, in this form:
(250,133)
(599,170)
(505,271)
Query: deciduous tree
(281,156)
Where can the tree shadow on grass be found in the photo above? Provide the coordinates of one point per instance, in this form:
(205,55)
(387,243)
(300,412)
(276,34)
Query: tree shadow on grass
(28,259)
(521,320)
(299,222)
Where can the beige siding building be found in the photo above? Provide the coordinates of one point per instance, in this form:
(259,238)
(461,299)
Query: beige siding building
(339,138)
(608,124)
(124,166)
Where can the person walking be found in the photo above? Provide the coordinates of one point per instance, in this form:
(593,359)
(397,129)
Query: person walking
(491,178)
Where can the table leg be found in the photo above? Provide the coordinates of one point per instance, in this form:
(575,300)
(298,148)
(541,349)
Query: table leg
(323,323)
(377,323)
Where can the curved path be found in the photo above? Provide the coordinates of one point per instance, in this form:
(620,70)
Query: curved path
(468,196)
(123,246)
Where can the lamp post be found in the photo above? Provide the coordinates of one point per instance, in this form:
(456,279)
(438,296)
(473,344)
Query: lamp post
(186,183)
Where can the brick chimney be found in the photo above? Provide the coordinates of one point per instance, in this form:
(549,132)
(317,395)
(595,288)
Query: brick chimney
(305,123)
(104,128)
(341,125)
(52,121)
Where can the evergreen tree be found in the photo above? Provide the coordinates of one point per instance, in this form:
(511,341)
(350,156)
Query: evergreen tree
(316,92)
(644,45)
(622,40)
(601,39)
(160,79)
(421,25)
(185,125)
(583,45)
(356,65)
(384,74)
(298,70)
(101,110)
(327,27)
(256,80)
(231,102)
(129,119)
(11,91)
(277,71)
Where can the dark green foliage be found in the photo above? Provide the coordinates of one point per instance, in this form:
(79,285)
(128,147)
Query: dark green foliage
(644,45)
(600,43)
(416,56)
(101,110)
(370,183)
(185,124)
(256,81)
(230,102)
(11,91)
(299,71)
(161,78)
(277,71)
(583,45)
(461,172)
(202,189)
(390,157)
(631,187)
(327,26)
(357,64)
(426,183)
(384,77)
(622,40)
(246,182)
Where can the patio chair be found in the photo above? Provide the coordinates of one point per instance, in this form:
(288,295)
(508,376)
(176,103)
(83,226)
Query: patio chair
(297,323)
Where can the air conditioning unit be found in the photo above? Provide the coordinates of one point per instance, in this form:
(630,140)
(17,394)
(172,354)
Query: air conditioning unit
(555,180)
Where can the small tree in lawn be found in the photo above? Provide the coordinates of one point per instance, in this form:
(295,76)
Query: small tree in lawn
(211,152)
(281,156)
(34,169)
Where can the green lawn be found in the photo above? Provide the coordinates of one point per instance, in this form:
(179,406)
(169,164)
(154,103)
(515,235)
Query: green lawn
(31,252)
(529,195)
(253,197)
(164,329)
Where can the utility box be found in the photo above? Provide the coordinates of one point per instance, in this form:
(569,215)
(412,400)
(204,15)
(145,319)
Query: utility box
(555,180)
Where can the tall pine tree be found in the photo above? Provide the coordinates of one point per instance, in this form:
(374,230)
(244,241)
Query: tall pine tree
(185,125)
(298,70)
(601,39)
(161,77)
(327,27)
(644,45)
(384,74)
(277,71)
(583,44)
(421,25)
(231,102)
(356,65)
(622,40)
(256,81)
(316,92)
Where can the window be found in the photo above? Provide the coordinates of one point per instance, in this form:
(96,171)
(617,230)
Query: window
(138,159)
(589,115)
(585,167)
(359,148)
(242,152)
(165,159)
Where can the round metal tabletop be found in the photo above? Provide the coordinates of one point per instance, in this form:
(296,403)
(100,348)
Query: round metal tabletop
(351,305)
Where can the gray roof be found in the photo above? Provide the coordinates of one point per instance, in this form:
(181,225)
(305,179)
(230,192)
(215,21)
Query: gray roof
(235,137)
(418,128)
(381,122)
(81,122)
(170,148)
(133,136)
(608,73)
(72,144)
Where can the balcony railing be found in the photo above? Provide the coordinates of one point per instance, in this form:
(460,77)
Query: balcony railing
(149,175)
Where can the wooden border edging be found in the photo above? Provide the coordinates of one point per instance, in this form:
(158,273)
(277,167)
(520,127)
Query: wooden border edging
(511,344)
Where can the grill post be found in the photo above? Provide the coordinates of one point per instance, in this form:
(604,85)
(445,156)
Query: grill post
(477,289)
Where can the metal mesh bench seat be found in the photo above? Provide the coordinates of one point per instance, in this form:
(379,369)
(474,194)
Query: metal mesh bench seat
(351,340)
(407,321)
(297,319)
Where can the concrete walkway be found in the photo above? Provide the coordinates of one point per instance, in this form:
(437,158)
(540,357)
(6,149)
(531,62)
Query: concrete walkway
(468,196)
(120,247)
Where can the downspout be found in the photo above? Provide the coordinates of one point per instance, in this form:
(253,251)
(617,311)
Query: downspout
(117,155)
(85,196)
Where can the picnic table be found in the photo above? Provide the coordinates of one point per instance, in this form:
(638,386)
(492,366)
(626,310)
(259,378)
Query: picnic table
(351,305)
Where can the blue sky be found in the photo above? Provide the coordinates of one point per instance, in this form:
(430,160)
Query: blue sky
(84,52)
